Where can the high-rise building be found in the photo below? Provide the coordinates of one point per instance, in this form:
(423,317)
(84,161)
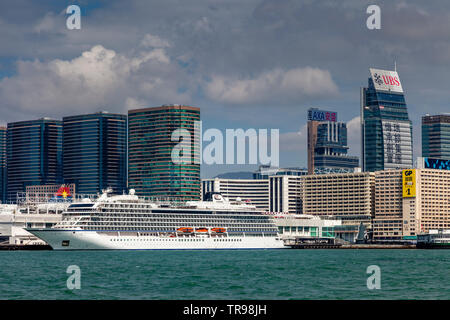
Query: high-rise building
(436,136)
(153,135)
(3,164)
(409,202)
(327,144)
(385,126)
(347,196)
(34,154)
(285,194)
(95,152)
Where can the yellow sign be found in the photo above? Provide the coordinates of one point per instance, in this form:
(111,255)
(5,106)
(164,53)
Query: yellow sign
(409,183)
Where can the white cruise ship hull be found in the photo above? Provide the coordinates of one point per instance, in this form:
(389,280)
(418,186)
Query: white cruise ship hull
(92,240)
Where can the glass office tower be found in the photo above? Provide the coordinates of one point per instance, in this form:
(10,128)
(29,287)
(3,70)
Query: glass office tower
(34,154)
(95,151)
(151,171)
(385,126)
(436,136)
(3,164)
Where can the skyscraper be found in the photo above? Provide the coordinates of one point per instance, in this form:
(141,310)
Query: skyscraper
(385,126)
(327,144)
(3,164)
(34,154)
(95,151)
(151,169)
(436,136)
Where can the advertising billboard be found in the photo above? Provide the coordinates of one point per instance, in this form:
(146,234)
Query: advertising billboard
(409,183)
(386,80)
(431,163)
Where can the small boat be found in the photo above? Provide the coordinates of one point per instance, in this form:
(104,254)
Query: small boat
(201,230)
(434,239)
(185,230)
(219,230)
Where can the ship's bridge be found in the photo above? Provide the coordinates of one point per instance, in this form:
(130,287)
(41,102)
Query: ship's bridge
(214,200)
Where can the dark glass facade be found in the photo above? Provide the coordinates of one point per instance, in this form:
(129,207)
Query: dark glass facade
(386,130)
(151,171)
(34,155)
(436,136)
(95,152)
(3,194)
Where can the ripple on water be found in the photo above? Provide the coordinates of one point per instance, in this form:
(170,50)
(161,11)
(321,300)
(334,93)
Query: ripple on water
(246,274)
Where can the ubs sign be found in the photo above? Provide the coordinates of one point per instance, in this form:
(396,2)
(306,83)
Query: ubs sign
(386,80)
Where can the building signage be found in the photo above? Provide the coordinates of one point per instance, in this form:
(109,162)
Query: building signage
(320,115)
(397,144)
(409,183)
(442,164)
(386,80)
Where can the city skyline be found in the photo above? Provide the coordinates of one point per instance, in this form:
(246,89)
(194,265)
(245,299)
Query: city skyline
(163,62)
(223,156)
(250,168)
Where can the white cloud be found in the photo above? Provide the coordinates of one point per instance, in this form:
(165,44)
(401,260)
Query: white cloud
(277,86)
(354,136)
(99,78)
(294,141)
(132,103)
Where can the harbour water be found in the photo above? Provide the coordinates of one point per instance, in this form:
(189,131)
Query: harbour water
(227,274)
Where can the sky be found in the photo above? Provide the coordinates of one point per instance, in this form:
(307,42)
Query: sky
(247,64)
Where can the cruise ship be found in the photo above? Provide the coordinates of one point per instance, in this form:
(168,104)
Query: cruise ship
(128,222)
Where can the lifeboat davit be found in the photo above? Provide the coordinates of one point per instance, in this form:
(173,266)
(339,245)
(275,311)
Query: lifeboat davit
(219,230)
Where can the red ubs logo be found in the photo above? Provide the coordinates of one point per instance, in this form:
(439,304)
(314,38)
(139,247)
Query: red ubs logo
(388,80)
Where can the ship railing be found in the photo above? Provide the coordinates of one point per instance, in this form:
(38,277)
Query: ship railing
(24,198)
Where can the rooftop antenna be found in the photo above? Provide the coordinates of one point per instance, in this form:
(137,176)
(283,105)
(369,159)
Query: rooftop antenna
(395,66)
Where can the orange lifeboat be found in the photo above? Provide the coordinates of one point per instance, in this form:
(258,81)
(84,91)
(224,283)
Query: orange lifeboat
(219,230)
(185,230)
(201,230)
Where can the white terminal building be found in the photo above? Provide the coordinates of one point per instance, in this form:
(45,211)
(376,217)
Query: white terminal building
(280,193)
(14,219)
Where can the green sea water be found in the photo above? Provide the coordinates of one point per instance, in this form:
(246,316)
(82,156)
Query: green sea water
(227,274)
